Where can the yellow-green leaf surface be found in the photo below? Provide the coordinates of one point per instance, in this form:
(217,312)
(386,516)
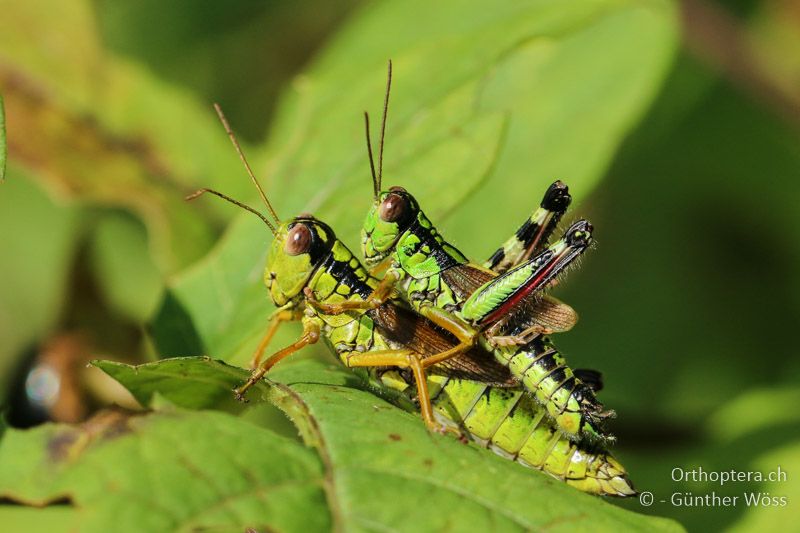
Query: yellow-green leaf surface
(488,107)
(54,519)
(171,470)
(2,139)
(384,471)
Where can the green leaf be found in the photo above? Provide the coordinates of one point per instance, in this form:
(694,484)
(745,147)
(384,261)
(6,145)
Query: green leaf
(193,383)
(488,107)
(384,470)
(3,148)
(774,517)
(54,519)
(753,412)
(125,272)
(33,286)
(166,471)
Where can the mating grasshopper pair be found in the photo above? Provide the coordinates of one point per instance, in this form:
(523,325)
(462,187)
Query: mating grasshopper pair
(499,305)
(458,380)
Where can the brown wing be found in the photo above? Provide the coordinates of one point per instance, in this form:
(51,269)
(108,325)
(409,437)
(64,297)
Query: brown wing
(417,333)
(465,279)
(551,313)
(478,365)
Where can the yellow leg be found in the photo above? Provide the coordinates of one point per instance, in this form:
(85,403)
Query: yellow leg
(380,268)
(443,356)
(274,323)
(379,295)
(449,322)
(465,333)
(403,359)
(311,331)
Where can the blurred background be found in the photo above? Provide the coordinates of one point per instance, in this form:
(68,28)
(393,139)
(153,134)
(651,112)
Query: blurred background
(689,303)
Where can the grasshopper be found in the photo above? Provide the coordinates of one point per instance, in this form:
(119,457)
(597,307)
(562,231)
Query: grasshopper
(499,304)
(308,270)
(450,296)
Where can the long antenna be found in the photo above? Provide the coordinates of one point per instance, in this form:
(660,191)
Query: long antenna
(377,177)
(236,202)
(238,148)
(383,121)
(376,186)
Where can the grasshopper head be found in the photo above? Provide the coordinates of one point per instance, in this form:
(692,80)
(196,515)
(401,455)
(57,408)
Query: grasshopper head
(391,214)
(299,247)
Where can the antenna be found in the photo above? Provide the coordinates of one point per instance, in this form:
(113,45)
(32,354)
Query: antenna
(376,178)
(383,121)
(376,185)
(238,148)
(199,192)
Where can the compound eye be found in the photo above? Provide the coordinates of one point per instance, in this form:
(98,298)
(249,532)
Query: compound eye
(393,207)
(298,241)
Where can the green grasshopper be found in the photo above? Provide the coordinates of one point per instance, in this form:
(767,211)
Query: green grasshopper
(475,303)
(469,291)
(308,270)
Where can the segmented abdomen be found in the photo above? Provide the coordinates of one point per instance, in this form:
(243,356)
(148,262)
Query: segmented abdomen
(509,421)
(513,425)
(544,372)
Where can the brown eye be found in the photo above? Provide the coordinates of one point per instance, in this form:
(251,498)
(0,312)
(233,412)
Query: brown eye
(298,241)
(393,207)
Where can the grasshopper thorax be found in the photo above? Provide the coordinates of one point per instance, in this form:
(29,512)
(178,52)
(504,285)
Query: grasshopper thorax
(299,248)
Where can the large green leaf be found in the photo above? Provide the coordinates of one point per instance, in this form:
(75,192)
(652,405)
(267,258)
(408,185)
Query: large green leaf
(2,139)
(488,107)
(171,470)
(384,470)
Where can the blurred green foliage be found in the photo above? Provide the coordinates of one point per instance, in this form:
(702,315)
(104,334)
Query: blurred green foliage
(699,228)
(34,278)
(688,302)
(239,54)
(2,139)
